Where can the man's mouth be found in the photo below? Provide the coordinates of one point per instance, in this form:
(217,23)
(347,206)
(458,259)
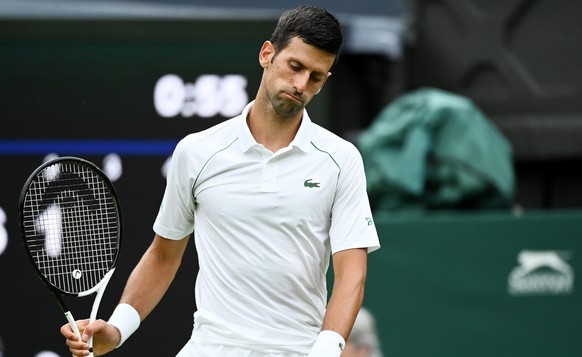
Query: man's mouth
(295,98)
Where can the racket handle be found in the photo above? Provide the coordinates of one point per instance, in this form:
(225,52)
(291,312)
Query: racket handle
(73,323)
(93,316)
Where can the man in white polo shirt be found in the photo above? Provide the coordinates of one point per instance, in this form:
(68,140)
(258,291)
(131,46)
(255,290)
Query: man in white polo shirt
(268,195)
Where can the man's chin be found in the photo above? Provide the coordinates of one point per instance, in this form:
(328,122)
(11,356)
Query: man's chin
(288,110)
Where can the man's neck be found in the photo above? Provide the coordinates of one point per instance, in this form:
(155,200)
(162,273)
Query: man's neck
(269,129)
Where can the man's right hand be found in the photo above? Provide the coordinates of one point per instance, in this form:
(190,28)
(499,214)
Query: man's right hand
(105,337)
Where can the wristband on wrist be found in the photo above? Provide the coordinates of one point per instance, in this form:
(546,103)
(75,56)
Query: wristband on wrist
(126,319)
(328,344)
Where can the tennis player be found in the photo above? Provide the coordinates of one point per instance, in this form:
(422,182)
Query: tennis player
(270,197)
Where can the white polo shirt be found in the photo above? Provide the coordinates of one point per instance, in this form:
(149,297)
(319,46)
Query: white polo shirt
(264,225)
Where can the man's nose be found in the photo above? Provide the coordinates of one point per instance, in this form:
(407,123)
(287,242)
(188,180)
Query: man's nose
(301,81)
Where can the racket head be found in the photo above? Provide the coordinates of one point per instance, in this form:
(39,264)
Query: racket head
(71,225)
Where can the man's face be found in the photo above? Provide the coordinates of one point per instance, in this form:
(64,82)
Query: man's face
(294,75)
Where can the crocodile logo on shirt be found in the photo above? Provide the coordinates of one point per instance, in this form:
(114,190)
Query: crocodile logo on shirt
(310,184)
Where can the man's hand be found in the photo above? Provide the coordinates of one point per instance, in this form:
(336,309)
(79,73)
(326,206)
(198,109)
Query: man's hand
(105,337)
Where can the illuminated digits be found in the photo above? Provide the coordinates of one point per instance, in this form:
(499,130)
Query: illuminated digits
(207,96)
(112,167)
(233,90)
(166,167)
(48,223)
(169,95)
(210,95)
(3,232)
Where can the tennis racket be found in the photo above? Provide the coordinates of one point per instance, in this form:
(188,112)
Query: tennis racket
(70,220)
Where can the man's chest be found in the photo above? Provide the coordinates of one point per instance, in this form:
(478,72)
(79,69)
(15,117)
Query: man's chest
(303,186)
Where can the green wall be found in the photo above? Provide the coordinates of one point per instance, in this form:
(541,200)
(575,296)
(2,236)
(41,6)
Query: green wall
(440,284)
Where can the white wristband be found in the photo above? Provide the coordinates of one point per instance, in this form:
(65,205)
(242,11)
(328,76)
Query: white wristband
(328,344)
(126,319)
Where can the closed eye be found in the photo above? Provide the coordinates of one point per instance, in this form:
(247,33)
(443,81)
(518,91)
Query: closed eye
(315,77)
(295,66)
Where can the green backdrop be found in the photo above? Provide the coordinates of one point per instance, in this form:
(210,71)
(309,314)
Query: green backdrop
(442,284)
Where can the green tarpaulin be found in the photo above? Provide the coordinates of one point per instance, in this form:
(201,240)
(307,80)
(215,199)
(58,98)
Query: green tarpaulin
(431,149)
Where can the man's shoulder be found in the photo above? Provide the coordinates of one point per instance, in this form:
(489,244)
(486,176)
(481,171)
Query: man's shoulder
(326,140)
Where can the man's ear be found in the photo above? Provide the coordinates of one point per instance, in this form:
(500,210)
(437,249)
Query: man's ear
(266,54)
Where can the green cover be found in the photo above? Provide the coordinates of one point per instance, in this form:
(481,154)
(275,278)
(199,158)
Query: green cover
(431,149)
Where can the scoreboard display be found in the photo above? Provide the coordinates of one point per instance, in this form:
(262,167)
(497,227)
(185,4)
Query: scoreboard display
(119,93)
(124,79)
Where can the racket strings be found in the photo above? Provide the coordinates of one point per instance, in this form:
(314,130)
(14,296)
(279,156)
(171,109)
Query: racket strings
(71,226)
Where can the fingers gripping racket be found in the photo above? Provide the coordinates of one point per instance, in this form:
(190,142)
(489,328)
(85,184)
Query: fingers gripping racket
(70,220)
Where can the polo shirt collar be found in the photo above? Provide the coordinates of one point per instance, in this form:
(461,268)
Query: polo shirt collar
(247,141)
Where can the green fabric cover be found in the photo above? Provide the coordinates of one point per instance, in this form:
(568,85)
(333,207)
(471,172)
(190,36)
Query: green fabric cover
(431,149)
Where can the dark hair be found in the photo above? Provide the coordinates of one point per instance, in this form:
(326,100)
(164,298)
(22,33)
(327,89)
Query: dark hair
(315,26)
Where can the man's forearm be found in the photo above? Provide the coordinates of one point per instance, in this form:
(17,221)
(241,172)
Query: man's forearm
(152,276)
(348,291)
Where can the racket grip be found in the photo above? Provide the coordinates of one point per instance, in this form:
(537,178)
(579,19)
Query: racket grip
(73,323)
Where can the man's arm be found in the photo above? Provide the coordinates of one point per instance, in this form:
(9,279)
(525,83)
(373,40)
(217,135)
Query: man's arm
(350,269)
(144,289)
(152,276)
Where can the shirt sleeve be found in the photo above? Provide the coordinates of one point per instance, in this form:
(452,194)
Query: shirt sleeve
(352,224)
(175,219)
